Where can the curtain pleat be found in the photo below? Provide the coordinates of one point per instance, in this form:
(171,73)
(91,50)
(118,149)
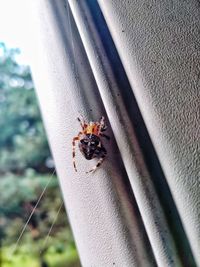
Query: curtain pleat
(114,59)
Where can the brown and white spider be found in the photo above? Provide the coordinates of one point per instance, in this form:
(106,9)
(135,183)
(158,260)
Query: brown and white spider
(90,143)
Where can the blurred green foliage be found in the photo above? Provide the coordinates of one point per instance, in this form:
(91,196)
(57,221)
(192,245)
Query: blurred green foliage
(26,167)
(23,142)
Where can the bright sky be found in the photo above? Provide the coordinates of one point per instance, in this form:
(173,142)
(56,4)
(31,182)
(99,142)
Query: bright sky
(14,24)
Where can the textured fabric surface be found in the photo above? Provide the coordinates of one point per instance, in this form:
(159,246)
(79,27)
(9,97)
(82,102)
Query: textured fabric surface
(137,64)
(159,45)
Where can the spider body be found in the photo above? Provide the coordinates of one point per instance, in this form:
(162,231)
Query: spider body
(91,146)
(90,143)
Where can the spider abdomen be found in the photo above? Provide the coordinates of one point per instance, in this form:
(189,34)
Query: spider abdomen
(91,146)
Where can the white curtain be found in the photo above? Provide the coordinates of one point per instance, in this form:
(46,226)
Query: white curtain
(137,64)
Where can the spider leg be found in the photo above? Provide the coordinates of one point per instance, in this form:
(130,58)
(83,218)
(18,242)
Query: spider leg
(98,163)
(105,135)
(101,121)
(82,123)
(102,126)
(76,138)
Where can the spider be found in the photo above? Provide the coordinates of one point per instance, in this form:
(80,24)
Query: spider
(90,143)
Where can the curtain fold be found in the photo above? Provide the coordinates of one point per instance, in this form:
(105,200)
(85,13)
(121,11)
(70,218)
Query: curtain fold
(158,43)
(91,59)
